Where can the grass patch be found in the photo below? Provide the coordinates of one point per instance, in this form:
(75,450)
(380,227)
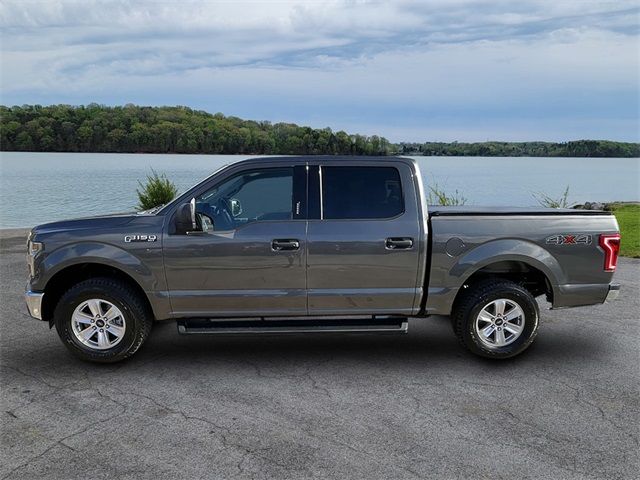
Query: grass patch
(628,216)
(437,196)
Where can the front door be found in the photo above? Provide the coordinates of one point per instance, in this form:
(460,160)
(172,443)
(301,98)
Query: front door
(250,259)
(364,243)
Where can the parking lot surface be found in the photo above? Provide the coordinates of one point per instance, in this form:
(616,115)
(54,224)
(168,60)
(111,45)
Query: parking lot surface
(323,406)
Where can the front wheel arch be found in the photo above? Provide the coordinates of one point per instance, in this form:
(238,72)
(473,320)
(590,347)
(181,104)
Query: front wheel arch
(74,274)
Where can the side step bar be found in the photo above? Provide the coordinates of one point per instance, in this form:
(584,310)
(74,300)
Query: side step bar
(332,325)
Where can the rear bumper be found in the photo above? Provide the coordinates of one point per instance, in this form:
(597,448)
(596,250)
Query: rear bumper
(614,291)
(578,295)
(34,303)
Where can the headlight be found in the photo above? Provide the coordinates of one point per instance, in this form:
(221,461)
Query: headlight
(33,248)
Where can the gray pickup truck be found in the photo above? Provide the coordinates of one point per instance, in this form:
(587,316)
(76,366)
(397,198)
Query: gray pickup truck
(315,244)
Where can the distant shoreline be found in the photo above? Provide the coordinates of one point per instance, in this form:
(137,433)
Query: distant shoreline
(14,232)
(409,154)
(130,128)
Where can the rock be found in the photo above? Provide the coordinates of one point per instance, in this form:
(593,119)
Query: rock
(591,206)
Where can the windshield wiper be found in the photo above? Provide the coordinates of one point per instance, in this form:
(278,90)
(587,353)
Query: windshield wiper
(151,210)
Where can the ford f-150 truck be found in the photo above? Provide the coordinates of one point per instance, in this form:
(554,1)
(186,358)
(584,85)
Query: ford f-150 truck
(315,244)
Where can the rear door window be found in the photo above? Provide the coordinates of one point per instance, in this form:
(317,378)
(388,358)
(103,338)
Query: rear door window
(361,193)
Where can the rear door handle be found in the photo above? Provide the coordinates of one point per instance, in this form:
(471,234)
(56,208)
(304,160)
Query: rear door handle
(280,244)
(398,243)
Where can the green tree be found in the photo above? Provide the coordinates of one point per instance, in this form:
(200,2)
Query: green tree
(158,190)
(24,142)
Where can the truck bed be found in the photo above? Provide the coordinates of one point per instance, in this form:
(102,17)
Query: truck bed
(440,211)
(559,247)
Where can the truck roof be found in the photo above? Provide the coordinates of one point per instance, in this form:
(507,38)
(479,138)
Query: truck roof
(328,158)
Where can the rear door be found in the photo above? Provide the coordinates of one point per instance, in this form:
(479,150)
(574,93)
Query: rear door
(363,239)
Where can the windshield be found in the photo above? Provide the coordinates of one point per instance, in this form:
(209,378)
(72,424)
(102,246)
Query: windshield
(215,172)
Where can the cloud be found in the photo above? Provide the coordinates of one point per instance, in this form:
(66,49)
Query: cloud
(474,66)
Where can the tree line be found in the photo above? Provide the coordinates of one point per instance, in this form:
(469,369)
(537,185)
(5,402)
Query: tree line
(578,148)
(137,129)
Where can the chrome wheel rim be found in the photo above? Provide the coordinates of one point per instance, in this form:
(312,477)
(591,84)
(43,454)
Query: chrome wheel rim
(98,324)
(499,323)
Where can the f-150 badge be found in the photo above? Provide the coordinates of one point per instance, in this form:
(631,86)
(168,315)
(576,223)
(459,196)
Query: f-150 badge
(569,240)
(140,238)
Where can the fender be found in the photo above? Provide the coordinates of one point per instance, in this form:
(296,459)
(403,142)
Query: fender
(101,253)
(509,249)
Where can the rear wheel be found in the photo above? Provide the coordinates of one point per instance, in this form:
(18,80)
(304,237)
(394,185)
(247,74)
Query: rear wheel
(496,319)
(102,320)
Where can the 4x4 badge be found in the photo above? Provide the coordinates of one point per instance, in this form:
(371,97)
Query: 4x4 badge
(569,240)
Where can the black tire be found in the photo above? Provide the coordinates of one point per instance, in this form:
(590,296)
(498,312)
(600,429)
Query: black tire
(474,300)
(139,319)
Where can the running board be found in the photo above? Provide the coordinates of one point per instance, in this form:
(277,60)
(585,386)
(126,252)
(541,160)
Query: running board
(195,326)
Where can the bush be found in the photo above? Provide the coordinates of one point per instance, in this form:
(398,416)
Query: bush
(157,191)
(438,196)
(550,202)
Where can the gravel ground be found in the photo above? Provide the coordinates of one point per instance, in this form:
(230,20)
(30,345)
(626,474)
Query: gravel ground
(355,406)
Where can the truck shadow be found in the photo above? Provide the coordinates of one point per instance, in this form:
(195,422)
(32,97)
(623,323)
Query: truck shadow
(428,342)
(430,348)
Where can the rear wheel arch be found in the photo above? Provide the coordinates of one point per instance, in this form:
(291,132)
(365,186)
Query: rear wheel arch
(71,275)
(523,273)
(508,251)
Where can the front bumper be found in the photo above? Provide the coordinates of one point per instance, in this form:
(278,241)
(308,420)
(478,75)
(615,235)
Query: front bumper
(34,303)
(614,291)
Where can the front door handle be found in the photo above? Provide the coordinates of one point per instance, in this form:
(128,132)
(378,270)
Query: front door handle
(398,243)
(280,244)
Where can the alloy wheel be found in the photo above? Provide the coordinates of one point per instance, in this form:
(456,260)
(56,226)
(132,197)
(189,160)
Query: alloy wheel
(499,323)
(98,324)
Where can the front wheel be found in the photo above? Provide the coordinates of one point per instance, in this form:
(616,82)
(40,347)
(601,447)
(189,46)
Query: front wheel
(496,319)
(102,320)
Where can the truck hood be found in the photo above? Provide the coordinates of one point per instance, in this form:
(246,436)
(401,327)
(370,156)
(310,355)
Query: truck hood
(94,223)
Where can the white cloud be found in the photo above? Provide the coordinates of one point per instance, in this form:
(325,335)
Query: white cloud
(433,58)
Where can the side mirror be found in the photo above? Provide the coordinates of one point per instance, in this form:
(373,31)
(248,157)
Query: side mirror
(186,217)
(236,207)
(192,211)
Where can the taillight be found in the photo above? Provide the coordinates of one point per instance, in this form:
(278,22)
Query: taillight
(611,246)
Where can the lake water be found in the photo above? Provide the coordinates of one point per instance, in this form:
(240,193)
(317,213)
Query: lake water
(42,187)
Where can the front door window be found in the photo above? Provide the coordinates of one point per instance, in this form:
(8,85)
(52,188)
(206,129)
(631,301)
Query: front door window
(248,197)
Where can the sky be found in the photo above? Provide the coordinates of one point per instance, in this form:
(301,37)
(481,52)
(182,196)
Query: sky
(441,70)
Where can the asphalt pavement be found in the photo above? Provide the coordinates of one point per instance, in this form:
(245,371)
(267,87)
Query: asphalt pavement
(323,406)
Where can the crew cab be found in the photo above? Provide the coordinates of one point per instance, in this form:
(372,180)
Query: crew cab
(315,244)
